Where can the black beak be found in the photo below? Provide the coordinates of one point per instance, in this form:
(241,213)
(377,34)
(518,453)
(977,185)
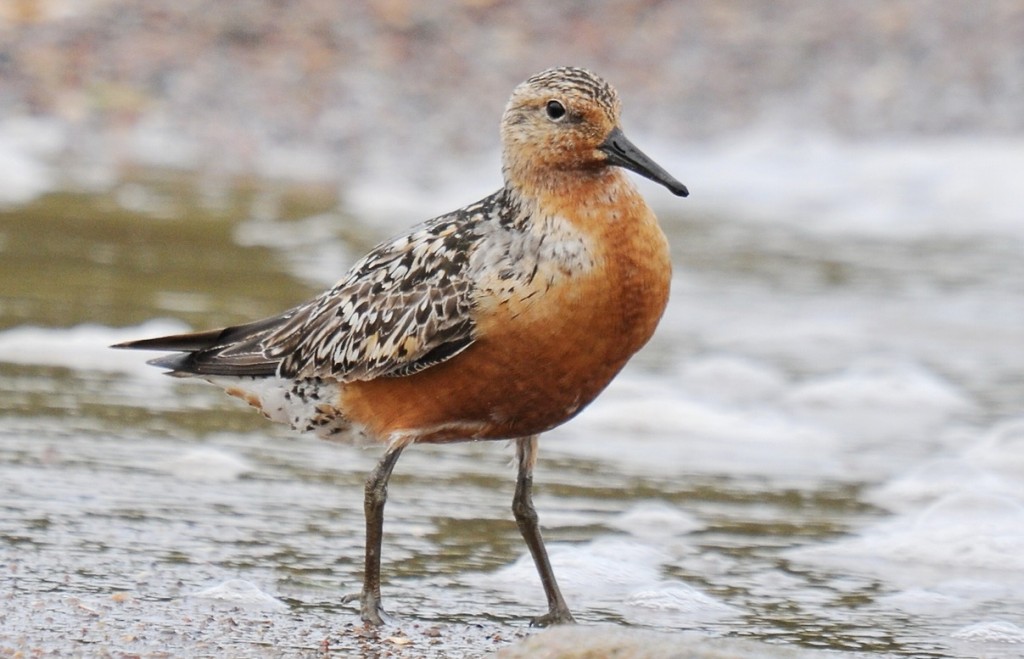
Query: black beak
(622,152)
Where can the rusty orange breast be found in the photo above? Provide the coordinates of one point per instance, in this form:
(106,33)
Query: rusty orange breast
(547,354)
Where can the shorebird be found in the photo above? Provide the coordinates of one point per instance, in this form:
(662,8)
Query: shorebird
(500,320)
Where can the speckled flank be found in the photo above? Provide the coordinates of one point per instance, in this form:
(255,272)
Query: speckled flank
(304,404)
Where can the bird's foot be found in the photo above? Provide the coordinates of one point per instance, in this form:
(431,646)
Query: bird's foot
(370,610)
(556,616)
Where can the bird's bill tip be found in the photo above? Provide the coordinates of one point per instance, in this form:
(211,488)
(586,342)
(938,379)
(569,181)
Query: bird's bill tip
(134,344)
(623,153)
(676,188)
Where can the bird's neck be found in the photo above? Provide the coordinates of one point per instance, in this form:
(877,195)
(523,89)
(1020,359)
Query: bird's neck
(574,194)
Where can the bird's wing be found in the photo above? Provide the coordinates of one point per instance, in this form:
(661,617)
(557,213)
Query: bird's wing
(405,306)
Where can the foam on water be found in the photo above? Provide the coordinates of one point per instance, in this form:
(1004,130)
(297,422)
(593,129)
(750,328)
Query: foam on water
(655,519)
(900,188)
(1001,451)
(965,531)
(207,464)
(935,479)
(765,386)
(885,386)
(614,573)
(925,602)
(998,631)
(878,400)
(673,604)
(668,432)
(238,592)
(83,347)
(816,427)
(896,189)
(732,380)
(991,462)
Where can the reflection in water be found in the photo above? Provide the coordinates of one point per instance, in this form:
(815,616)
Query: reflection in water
(813,450)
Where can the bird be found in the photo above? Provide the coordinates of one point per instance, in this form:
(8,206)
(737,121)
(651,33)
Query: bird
(498,321)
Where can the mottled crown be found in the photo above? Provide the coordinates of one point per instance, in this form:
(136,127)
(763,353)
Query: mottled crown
(539,148)
(573,81)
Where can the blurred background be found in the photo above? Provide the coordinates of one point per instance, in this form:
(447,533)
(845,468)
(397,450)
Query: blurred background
(822,447)
(313,90)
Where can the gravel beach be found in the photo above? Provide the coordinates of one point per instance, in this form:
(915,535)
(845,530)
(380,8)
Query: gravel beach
(320,90)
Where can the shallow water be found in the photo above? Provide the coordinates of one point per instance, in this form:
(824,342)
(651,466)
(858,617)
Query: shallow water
(821,448)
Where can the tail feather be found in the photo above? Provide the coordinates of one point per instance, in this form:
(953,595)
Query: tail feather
(205,363)
(235,350)
(177,342)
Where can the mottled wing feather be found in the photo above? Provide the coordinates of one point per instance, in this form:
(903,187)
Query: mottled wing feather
(405,306)
(345,338)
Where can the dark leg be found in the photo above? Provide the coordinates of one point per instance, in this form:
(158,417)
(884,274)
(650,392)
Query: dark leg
(526,517)
(373,506)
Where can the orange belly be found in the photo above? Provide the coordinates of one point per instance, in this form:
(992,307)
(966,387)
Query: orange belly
(491,391)
(532,368)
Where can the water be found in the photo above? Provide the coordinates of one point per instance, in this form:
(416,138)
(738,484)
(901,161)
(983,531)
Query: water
(821,448)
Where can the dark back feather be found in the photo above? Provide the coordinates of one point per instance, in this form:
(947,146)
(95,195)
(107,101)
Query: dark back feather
(405,306)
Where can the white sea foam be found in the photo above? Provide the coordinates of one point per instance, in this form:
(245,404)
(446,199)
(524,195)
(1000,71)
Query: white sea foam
(670,433)
(207,464)
(879,400)
(936,479)
(621,574)
(924,602)
(992,463)
(238,592)
(991,631)
(973,532)
(655,519)
(874,419)
(732,379)
(670,603)
(83,347)
(898,188)
(878,385)
(1001,451)
(604,567)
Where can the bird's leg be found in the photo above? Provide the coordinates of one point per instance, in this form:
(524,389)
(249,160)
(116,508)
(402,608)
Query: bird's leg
(526,518)
(373,506)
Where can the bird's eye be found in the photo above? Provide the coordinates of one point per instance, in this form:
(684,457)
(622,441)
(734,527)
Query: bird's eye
(555,110)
